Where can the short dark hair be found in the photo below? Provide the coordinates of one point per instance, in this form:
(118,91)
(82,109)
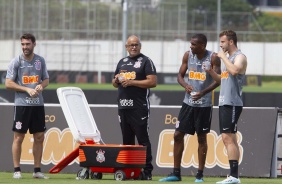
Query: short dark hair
(201,38)
(230,34)
(28,36)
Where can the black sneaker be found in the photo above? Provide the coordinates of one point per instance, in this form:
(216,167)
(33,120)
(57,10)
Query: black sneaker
(145,175)
(171,177)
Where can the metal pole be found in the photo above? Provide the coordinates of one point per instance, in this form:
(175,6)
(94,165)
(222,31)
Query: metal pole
(124,27)
(14,27)
(218,19)
(217,31)
(187,17)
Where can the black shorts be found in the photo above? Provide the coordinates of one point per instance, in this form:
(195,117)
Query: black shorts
(194,119)
(30,118)
(228,118)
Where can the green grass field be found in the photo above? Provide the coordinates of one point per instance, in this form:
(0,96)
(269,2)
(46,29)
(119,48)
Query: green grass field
(109,179)
(271,87)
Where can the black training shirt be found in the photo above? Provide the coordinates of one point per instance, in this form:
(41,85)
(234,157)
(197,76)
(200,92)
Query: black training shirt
(135,68)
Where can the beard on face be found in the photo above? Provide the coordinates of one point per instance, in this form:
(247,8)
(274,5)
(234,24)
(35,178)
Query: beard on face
(27,52)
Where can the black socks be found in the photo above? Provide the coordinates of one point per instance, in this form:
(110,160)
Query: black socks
(199,174)
(37,169)
(17,169)
(233,168)
(176,171)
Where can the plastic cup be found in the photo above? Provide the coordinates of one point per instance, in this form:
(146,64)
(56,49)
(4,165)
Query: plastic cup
(120,78)
(206,65)
(193,93)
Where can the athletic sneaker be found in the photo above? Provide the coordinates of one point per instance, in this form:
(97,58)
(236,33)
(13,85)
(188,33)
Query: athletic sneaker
(17,175)
(39,175)
(229,180)
(200,180)
(171,177)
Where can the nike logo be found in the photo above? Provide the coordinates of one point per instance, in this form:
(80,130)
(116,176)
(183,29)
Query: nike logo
(225,128)
(198,63)
(144,118)
(205,129)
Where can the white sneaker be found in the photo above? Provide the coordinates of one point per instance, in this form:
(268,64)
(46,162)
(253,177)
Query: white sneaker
(229,180)
(17,175)
(39,175)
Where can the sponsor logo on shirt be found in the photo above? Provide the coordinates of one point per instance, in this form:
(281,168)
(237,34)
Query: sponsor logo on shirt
(30,79)
(197,75)
(126,102)
(196,101)
(224,75)
(32,101)
(129,75)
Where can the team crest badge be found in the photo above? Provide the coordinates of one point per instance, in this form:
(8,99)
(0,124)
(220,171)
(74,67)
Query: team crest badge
(37,64)
(18,125)
(100,156)
(137,64)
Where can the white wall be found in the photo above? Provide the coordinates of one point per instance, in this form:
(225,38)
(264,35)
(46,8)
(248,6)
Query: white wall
(263,58)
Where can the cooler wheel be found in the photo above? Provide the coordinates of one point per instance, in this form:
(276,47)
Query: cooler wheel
(120,175)
(83,174)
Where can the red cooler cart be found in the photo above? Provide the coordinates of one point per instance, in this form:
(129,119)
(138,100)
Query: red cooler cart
(96,157)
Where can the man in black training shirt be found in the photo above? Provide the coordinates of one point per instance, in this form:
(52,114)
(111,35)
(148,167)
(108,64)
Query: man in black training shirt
(134,75)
